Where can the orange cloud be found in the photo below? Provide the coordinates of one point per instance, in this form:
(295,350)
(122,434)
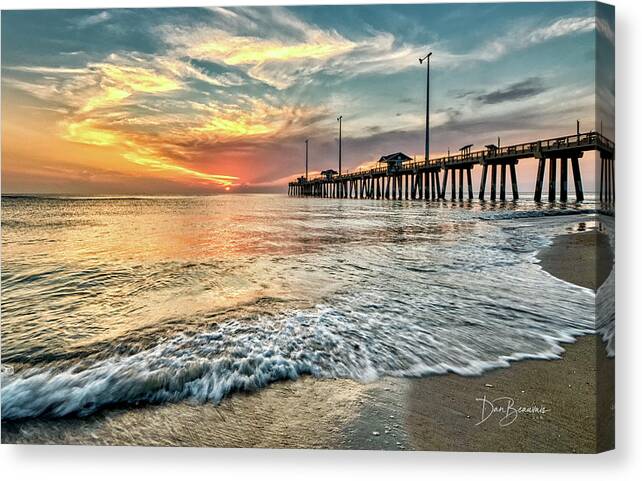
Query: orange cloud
(87,132)
(108,96)
(160,164)
(138,109)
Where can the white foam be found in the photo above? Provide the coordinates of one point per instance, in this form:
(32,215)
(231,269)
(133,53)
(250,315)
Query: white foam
(245,356)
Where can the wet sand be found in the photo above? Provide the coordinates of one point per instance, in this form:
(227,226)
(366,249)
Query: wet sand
(582,258)
(434,413)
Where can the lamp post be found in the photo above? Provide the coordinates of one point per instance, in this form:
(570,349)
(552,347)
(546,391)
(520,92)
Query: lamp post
(339,118)
(421,60)
(306,158)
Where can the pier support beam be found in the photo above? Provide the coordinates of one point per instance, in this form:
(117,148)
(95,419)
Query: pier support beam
(427,179)
(577,178)
(442,193)
(482,184)
(513,181)
(552,178)
(453,188)
(602,177)
(612,176)
(413,186)
(461,184)
(469,178)
(607,180)
(539,182)
(493,182)
(502,183)
(563,179)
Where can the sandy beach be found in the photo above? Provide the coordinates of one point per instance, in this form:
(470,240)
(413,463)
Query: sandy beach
(543,406)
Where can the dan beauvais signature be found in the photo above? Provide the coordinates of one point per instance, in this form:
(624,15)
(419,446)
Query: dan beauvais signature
(506,410)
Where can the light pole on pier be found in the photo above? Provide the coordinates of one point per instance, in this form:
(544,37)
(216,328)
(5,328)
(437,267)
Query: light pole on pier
(339,118)
(421,60)
(306,158)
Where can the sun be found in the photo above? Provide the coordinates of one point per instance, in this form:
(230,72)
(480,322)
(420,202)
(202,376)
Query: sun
(227,188)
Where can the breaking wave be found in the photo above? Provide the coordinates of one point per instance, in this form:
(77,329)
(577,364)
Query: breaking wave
(242,356)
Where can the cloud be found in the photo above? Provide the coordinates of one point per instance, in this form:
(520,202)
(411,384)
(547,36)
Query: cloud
(118,82)
(48,92)
(87,132)
(604,27)
(516,91)
(94,19)
(47,70)
(519,37)
(560,28)
(279,49)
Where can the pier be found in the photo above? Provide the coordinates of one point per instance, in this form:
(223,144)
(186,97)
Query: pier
(451,177)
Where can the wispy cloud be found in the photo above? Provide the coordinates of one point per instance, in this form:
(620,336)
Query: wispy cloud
(95,19)
(519,37)
(603,27)
(282,50)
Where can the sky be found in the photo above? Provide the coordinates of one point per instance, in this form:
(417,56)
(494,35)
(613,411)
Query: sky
(207,100)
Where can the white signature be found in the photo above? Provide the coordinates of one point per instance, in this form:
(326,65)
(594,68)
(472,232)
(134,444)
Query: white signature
(504,407)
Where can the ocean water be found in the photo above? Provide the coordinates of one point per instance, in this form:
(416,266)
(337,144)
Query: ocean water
(132,300)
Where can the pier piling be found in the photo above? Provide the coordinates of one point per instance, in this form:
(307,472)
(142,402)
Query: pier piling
(482,184)
(577,178)
(539,180)
(493,181)
(552,175)
(513,181)
(563,179)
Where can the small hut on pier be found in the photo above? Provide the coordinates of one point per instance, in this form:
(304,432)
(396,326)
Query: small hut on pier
(394,161)
(465,150)
(328,174)
(491,149)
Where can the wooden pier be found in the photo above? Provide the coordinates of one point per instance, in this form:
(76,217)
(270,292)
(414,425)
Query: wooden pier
(403,178)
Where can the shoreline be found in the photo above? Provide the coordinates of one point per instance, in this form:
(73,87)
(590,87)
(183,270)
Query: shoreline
(556,399)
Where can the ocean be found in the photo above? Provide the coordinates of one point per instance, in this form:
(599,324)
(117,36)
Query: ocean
(127,301)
